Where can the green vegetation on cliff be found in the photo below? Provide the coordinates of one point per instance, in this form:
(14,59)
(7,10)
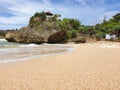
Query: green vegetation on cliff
(110,27)
(99,31)
(42,21)
(45,27)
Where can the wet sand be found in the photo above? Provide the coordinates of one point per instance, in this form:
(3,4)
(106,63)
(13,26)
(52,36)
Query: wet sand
(91,66)
(30,51)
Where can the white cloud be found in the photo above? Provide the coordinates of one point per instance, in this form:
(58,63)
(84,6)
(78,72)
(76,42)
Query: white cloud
(22,10)
(83,2)
(10,26)
(108,15)
(13,20)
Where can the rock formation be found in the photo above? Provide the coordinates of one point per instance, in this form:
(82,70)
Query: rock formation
(45,27)
(41,29)
(29,35)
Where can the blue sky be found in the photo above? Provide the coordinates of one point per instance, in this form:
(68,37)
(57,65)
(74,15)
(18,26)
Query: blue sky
(16,13)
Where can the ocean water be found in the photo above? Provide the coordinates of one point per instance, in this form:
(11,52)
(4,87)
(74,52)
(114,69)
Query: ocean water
(10,52)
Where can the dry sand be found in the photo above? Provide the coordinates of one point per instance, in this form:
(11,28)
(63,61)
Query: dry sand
(91,66)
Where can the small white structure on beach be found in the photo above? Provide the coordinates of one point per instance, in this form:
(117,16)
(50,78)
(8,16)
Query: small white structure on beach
(108,36)
(113,36)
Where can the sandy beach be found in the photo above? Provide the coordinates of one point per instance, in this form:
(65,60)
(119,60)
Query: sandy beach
(90,66)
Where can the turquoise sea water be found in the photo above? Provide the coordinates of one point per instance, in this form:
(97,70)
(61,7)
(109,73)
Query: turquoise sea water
(10,52)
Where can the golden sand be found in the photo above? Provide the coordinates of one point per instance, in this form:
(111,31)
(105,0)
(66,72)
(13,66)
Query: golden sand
(91,66)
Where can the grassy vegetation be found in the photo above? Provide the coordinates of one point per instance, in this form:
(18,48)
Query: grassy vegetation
(110,27)
(40,21)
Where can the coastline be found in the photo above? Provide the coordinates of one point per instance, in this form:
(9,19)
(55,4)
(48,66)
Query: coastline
(67,50)
(89,66)
(20,52)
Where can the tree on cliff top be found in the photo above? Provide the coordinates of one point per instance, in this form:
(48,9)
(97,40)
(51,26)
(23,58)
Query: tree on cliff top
(40,19)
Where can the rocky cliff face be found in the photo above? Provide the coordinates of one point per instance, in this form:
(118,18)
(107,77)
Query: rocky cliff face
(29,35)
(2,33)
(41,29)
(47,28)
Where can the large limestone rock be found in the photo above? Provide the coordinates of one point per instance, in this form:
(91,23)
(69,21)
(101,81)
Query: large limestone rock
(57,37)
(29,35)
(79,39)
(3,33)
(41,29)
(10,36)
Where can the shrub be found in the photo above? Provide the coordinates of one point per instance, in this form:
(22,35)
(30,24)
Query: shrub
(55,17)
(48,25)
(69,35)
(74,33)
(69,24)
(74,23)
(100,35)
(42,15)
(80,40)
(39,28)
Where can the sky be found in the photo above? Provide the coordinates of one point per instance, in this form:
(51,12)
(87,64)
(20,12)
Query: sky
(16,13)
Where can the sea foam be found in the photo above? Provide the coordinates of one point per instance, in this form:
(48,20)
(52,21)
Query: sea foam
(3,40)
(30,51)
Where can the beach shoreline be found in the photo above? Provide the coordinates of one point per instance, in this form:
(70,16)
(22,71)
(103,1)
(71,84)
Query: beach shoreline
(20,52)
(94,66)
